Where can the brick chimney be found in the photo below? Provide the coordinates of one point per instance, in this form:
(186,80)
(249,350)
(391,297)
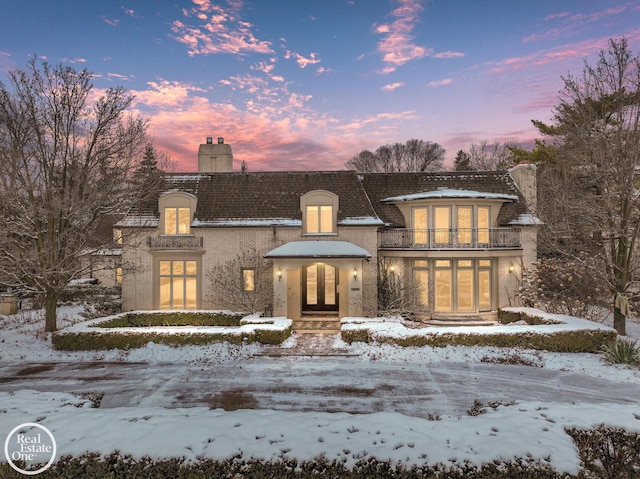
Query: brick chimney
(215,157)
(524,175)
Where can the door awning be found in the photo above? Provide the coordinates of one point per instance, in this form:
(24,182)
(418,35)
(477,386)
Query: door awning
(318,249)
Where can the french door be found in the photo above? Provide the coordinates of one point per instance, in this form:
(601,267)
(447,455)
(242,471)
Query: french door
(319,287)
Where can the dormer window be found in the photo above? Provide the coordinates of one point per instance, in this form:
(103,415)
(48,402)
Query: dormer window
(176,212)
(177,221)
(319,212)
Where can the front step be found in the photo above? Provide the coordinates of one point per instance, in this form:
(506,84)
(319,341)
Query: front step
(317,324)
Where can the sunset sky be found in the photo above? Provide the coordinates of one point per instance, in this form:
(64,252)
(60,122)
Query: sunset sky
(307,84)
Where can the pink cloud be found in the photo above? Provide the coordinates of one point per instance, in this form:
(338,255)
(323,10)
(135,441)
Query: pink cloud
(392,86)
(219,30)
(443,82)
(396,45)
(273,130)
(113,22)
(553,16)
(449,55)
(302,61)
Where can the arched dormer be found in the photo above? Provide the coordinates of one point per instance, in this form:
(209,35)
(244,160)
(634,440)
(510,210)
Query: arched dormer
(176,212)
(319,212)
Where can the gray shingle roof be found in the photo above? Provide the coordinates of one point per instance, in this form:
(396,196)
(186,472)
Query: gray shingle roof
(263,198)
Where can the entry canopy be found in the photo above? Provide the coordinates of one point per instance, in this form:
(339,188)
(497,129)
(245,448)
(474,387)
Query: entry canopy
(318,249)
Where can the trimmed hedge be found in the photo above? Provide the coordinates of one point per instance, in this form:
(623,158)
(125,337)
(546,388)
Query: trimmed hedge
(173,318)
(574,341)
(110,337)
(125,340)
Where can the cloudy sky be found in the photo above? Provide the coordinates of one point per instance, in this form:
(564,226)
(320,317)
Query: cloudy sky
(306,84)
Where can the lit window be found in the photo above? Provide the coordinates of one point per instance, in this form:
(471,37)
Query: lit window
(319,219)
(119,275)
(118,235)
(248,279)
(178,284)
(177,221)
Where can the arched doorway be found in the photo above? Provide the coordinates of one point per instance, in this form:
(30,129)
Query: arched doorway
(320,288)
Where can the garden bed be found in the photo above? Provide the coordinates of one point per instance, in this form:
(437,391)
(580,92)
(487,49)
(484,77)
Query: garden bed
(175,328)
(523,327)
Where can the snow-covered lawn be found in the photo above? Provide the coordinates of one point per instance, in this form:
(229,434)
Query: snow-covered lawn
(526,429)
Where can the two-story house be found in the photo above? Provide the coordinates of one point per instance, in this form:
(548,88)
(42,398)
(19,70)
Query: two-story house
(460,238)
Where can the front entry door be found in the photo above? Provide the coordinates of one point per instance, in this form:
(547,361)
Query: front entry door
(319,287)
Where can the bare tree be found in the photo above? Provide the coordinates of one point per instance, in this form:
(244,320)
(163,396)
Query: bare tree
(65,162)
(414,155)
(595,170)
(490,156)
(242,283)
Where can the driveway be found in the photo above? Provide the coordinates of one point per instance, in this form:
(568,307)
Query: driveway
(315,383)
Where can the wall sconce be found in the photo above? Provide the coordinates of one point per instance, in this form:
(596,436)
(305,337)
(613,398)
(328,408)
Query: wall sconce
(279,274)
(355,274)
(512,268)
(392,269)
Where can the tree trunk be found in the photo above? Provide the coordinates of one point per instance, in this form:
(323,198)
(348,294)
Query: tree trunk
(50,307)
(619,322)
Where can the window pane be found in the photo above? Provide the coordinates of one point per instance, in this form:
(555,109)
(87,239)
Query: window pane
(421,263)
(192,267)
(420,226)
(185,221)
(443,263)
(191,295)
(465,290)
(442,224)
(165,268)
(248,280)
(421,287)
(329,285)
(312,219)
(118,275)
(484,263)
(326,219)
(178,293)
(178,267)
(170,221)
(312,284)
(484,290)
(443,290)
(483,224)
(165,293)
(464,263)
(464,224)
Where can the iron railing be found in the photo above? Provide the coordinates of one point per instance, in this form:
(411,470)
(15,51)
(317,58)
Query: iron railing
(449,238)
(174,242)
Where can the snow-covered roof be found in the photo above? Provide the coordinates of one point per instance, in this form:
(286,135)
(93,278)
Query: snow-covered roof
(318,249)
(361,221)
(138,221)
(452,193)
(247,222)
(526,219)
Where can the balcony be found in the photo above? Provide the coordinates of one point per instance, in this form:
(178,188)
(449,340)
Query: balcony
(451,238)
(174,242)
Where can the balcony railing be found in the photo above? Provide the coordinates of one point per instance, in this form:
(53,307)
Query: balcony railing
(174,242)
(450,238)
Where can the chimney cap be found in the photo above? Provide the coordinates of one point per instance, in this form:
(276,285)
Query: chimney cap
(209,140)
(220,140)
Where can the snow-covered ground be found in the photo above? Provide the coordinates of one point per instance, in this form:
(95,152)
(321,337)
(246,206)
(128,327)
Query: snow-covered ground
(528,429)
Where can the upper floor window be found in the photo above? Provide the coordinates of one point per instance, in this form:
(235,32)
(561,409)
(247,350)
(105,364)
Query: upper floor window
(177,221)
(319,212)
(319,219)
(176,212)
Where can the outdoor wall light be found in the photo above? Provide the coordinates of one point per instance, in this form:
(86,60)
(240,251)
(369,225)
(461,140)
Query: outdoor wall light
(279,274)
(392,269)
(355,274)
(512,268)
